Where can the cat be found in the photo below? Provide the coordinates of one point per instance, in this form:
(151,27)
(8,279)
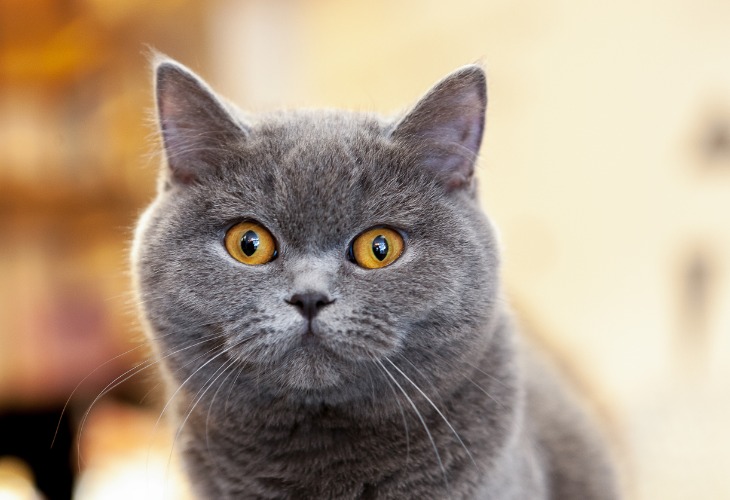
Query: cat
(322,290)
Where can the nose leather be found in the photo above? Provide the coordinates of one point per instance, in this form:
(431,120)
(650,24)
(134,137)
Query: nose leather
(309,303)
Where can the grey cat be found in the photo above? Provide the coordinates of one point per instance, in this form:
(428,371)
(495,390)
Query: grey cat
(322,290)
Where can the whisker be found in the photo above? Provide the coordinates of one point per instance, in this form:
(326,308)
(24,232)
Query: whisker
(491,377)
(171,398)
(65,406)
(446,421)
(230,390)
(420,417)
(405,422)
(128,374)
(423,377)
(496,401)
(147,394)
(204,389)
(174,394)
(197,398)
(212,402)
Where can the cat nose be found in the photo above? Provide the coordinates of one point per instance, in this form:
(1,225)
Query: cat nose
(309,303)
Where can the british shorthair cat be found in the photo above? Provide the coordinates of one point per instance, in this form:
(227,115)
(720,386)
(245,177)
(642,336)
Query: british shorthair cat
(322,290)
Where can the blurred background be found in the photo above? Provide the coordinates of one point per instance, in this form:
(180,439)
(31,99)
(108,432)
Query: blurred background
(606,166)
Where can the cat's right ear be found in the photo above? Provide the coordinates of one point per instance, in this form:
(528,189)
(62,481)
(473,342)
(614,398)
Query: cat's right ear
(195,125)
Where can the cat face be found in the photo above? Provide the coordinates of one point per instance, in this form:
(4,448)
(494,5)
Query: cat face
(371,242)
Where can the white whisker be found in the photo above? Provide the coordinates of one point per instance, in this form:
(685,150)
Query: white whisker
(128,374)
(491,377)
(171,398)
(485,392)
(420,417)
(405,422)
(230,390)
(446,421)
(65,406)
(212,401)
(196,399)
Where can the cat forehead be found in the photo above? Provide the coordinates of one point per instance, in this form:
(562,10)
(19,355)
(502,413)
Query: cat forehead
(318,156)
(319,134)
(319,175)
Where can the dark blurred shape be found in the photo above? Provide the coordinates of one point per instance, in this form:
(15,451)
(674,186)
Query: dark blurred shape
(695,304)
(711,138)
(28,435)
(697,278)
(717,142)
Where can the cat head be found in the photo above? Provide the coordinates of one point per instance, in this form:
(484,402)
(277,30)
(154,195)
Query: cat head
(305,248)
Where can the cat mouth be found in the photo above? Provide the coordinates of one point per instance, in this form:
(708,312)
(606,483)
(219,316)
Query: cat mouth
(314,338)
(310,339)
(317,341)
(310,335)
(311,355)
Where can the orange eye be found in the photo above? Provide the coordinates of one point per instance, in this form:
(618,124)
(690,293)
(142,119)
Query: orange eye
(250,243)
(377,247)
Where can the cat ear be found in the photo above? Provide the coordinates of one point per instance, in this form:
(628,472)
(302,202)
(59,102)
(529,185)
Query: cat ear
(195,125)
(445,127)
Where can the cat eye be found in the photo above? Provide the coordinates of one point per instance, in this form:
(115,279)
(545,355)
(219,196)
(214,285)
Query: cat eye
(250,243)
(376,248)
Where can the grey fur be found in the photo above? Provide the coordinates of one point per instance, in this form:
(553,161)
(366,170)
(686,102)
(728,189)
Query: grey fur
(414,388)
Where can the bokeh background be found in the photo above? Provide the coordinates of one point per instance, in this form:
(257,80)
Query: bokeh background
(606,166)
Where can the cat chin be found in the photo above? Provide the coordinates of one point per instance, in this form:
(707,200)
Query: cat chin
(309,368)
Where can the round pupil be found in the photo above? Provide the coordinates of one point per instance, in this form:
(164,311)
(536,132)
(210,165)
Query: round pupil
(249,243)
(380,247)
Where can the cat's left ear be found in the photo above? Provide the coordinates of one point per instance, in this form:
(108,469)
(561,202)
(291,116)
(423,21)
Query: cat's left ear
(196,125)
(445,127)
